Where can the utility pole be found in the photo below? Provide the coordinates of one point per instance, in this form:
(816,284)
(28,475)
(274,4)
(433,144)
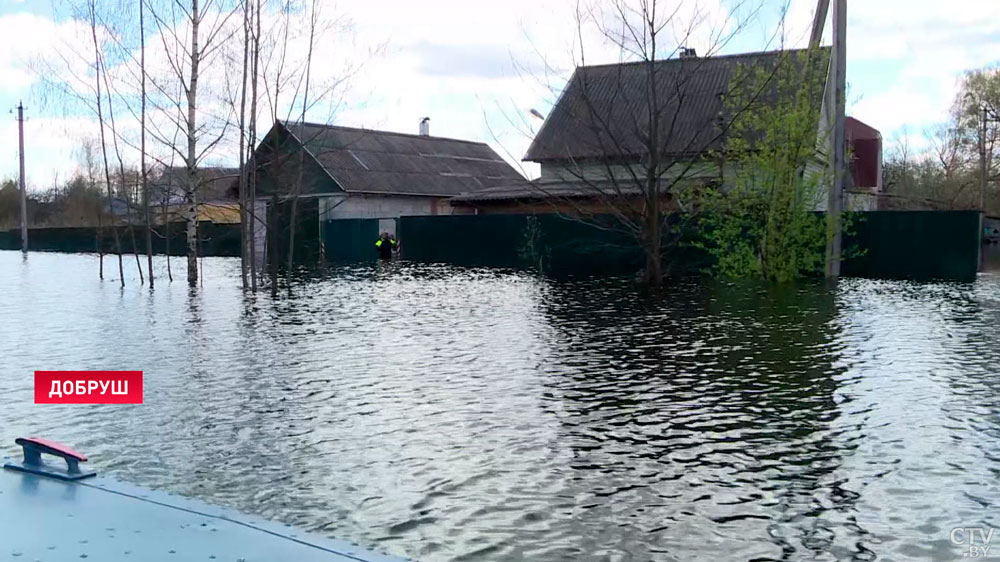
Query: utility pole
(24,195)
(982,184)
(836,104)
(982,159)
(819,22)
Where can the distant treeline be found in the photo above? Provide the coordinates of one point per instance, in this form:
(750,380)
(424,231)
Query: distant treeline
(948,174)
(75,203)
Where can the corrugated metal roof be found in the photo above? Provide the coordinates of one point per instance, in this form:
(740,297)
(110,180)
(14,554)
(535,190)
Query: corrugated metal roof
(367,161)
(604,111)
(214,184)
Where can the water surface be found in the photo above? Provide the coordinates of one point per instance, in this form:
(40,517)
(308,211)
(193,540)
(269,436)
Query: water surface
(456,414)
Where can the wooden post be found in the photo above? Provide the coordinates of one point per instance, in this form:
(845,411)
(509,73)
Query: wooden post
(819,21)
(836,100)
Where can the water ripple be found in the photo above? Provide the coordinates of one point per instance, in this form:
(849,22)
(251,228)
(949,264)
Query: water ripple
(456,414)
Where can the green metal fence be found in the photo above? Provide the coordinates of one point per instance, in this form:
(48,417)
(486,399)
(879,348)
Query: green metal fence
(882,244)
(548,242)
(214,239)
(913,245)
(350,240)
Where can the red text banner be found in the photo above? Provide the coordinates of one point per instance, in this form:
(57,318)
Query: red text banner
(88,387)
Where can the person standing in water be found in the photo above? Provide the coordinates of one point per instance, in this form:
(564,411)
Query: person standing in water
(385,246)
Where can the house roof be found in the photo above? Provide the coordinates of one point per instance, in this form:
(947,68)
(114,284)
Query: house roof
(382,162)
(859,130)
(604,110)
(219,213)
(552,190)
(214,184)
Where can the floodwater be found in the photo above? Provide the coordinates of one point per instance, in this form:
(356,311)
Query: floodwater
(449,414)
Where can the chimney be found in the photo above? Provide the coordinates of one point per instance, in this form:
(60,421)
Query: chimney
(425,127)
(688,53)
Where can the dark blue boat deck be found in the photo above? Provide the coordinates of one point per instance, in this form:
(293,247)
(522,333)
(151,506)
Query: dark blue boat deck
(103,520)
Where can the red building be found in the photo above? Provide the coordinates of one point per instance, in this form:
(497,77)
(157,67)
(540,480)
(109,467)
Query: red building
(864,145)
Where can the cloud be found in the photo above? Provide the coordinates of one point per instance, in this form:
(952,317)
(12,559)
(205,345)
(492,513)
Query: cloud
(906,59)
(477,69)
(24,39)
(470,61)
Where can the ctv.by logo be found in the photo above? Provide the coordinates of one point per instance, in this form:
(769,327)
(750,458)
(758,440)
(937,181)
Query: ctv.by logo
(975,541)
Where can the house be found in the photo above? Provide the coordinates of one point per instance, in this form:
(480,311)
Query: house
(593,145)
(338,174)
(214,185)
(216,197)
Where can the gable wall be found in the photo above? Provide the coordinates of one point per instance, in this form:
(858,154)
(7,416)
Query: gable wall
(278,162)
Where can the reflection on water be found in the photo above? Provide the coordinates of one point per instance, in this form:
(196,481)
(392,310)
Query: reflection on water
(468,414)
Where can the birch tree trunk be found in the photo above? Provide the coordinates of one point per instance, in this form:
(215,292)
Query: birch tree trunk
(142,142)
(191,191)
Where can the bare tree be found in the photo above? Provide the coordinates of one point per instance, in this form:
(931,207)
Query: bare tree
(185,58)
(633,133)
(127,199)
(945,142)
(297,188)
(251,144)
(89,161)
(978,107)
(284,87)
(142,157)
(244,207)
(92,12)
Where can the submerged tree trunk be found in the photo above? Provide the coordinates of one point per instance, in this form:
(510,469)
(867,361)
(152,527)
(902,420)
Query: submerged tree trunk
(653,234)
(653,274)
(166,235)
(274,259)
(252,180)
(293,220)
(191,193)
(104,149)
(100,214)
(100,245)
(135,249)
(245,254)
(127,195)
(142,158)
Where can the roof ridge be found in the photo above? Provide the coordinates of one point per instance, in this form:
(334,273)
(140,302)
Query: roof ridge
(380,132)
(703,58)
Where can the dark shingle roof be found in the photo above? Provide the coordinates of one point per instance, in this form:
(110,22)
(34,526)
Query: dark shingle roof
(544,190)
(214,184)
(555,189)
(604,110)
(367,161)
